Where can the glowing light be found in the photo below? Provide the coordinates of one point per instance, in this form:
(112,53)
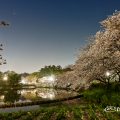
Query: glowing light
(51,78)
(51,96)
(48,79)
(23,81)
(2,97)
(5,78)
(107,73)
(47,95)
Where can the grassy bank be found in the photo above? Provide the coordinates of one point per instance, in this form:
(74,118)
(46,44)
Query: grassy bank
(64,112)
(103,95)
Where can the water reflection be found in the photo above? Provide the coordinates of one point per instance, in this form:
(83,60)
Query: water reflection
(28,95)
(11,96)
(46,93)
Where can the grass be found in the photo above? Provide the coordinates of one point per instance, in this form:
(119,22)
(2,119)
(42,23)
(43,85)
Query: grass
(100,94)
(63,112)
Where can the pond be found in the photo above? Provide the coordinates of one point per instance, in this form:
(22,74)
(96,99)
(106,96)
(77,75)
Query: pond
(12,95)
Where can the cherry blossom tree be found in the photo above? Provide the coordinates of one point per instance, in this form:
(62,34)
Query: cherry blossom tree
(103,55)
(100,59)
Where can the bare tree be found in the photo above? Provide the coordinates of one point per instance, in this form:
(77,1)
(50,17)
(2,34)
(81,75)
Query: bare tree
(2,61)
(3,23)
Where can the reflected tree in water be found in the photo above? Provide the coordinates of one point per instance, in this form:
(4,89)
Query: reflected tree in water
(11,96)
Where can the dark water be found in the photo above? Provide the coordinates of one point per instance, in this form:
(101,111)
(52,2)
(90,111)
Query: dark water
(12,95)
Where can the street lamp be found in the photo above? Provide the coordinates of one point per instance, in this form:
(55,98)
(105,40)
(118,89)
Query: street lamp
(107,73)
(5,78)
(51,78)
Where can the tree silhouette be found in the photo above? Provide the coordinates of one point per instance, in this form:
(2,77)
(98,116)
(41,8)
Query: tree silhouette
(3,23)
(2,61)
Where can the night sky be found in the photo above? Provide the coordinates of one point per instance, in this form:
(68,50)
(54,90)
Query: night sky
(47,32)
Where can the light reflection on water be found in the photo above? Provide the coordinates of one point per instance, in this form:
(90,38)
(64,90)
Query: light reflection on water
(28,95)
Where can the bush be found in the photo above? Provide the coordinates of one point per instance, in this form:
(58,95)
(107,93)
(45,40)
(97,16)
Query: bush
(102,95)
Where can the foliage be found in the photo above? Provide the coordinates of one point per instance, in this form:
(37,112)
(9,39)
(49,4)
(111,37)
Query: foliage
(1,76)
(13,79)
(49,70)
(100,94)
(75,112)
(2,83)
(11,96)
(33,76)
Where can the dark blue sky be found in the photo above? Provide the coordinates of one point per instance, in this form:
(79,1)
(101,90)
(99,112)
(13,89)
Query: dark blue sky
(45,32)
